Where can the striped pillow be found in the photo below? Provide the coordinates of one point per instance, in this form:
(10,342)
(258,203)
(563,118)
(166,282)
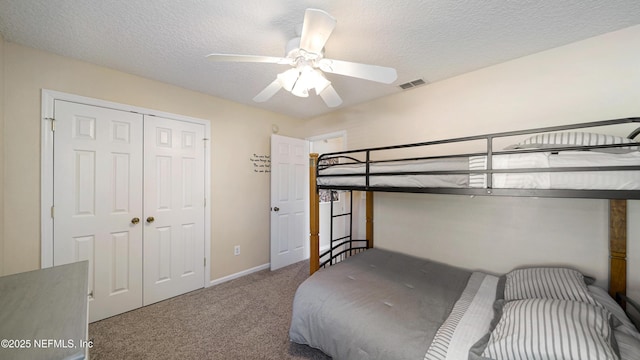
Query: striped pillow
(546,283)
(477,180)
(551,329)
(562,139)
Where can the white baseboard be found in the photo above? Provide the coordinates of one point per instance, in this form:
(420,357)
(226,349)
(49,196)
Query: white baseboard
(239,274)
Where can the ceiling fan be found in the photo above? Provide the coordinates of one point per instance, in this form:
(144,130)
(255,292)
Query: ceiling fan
(306,56)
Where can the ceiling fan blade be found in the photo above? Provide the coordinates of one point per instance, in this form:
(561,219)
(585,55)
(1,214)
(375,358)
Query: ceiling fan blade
(330,97)
(268,92)
(248,58)
(316,28)
(375,73)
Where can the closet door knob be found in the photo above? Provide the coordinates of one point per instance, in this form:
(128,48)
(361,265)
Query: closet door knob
(276,209)
(150,219)
(135,220)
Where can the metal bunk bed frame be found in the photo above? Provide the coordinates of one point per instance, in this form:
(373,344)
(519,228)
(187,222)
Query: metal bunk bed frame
(342,247)
(617,198)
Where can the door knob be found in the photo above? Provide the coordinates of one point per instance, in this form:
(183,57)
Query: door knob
(276,209)
(135,220)
(150,219)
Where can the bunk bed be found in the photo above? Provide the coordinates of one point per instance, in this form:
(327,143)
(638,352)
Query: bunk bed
(372,301)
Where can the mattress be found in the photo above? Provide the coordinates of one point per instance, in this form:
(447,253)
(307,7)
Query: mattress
(459,180)
(384,305)
(584,180)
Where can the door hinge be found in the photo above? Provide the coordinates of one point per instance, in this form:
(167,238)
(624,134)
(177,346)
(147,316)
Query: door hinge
(53,123)
(53,213)
(205,262)
(205,202)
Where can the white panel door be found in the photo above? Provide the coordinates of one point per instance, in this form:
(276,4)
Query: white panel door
(174,208)
(97,196)
(289,200)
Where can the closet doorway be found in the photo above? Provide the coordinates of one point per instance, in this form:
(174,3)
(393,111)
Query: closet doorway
(128,195)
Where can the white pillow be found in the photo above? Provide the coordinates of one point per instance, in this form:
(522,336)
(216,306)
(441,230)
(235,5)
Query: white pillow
(546,283)
(564,139)
(551,329)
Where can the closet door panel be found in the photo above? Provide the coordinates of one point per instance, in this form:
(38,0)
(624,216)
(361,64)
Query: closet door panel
(98,160)
(174,208)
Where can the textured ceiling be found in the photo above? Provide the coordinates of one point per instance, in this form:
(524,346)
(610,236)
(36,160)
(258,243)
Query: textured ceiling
(167,40)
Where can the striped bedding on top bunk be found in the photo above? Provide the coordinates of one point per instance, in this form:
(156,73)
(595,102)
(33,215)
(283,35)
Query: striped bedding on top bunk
(612,180)
(550,151)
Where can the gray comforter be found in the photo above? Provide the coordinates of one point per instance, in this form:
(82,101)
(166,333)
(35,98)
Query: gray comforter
(376,305)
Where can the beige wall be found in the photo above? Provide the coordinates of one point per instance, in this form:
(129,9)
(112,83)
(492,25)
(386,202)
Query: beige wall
(240,198)
(591,80)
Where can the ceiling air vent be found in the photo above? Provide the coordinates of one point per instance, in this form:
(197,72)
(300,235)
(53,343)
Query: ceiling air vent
(412,84)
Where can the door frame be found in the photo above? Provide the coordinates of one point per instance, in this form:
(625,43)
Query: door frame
(333,135)
(46,168)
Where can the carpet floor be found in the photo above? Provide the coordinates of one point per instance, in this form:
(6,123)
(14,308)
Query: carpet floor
(245,318)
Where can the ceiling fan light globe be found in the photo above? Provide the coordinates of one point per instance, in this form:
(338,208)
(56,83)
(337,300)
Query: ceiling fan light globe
(319,82)
(306,78)
(288,79)
(299,90)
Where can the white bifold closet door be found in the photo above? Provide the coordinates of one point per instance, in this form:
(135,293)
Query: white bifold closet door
(129,198)
(174,208)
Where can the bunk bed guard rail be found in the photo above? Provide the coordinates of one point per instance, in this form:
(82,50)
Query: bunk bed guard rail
(352,157)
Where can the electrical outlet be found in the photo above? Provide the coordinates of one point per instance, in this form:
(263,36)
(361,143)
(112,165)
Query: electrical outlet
(236,250)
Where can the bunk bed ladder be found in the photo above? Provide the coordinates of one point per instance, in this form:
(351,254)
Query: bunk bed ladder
(335,253)
(344,240)
(342,247)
